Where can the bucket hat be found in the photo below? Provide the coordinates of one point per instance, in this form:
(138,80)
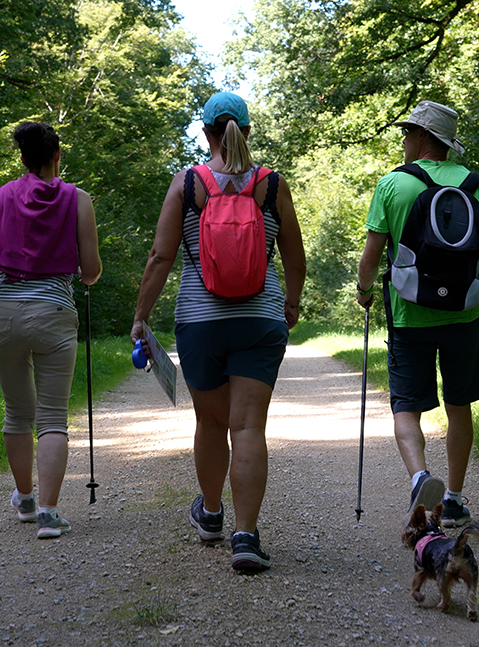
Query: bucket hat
(224,103)
(437,119)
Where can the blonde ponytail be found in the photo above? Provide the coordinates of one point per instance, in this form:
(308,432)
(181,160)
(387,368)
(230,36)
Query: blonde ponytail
(234,149)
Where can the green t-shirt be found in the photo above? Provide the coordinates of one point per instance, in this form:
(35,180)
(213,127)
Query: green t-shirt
(392,201)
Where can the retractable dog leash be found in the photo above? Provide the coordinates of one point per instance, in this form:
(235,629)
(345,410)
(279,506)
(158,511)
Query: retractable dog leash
(92,485)
(363,411)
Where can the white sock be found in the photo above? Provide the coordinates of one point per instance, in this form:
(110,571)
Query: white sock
(46,509)
(208,512)
(416,478)
(243,532)
(454,496)
(23,497)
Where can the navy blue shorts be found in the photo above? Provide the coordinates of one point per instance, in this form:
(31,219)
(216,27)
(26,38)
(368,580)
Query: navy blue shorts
(211,351)
(413,381)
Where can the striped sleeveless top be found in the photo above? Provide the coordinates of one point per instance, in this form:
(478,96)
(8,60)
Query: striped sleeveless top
(194,303)
(57,289)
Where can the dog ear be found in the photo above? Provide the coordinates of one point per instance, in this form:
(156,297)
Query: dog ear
(436,514)
(418,517)
(412,524)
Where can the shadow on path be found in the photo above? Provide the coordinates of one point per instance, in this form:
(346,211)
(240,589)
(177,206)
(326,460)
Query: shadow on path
(332,582)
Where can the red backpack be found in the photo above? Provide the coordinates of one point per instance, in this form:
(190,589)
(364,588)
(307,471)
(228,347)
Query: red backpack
(233,252)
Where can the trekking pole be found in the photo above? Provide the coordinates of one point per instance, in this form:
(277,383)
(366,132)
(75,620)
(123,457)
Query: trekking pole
(363,409)
(92,485)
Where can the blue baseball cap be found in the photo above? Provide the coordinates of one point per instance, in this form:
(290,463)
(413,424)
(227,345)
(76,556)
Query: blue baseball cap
(226,103)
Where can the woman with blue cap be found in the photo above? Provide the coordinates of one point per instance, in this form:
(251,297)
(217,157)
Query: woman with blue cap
(230,353)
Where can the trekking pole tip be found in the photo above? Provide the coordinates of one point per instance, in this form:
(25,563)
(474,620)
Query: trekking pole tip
(358,514)
(92,485)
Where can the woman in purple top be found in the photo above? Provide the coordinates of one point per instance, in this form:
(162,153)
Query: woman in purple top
(48,234)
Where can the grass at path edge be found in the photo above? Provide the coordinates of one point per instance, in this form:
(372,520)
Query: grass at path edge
(347,345)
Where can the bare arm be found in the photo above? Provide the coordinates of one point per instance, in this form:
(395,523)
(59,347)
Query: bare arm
(162,255)
(291,248)
(369,265)
(89,257)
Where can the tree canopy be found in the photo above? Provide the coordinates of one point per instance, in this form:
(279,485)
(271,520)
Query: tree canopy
(341,72)
(121,82)
(329,78)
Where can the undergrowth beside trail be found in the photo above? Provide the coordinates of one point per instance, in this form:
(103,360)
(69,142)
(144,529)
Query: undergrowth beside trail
(347,345)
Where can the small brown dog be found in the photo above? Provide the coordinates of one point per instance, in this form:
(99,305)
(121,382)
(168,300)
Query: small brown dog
(441,558)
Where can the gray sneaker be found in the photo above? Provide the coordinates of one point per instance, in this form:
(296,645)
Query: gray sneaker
(49,526)
(429,491)
(209,526)
(26,509)
(455,515)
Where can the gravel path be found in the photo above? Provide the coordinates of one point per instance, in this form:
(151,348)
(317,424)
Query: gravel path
(133,572)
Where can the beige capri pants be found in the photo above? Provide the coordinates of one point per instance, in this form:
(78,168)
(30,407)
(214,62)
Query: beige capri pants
(38,346)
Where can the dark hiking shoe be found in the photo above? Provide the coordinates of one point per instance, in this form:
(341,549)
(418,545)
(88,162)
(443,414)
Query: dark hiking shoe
(248,555)
(26,510)
(454,515)
(49,526)
(209,526)
(429,491)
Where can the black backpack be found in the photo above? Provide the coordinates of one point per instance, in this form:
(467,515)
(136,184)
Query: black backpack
(438,254)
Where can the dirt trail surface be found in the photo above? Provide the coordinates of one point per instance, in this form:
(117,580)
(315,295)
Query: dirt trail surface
(132,558)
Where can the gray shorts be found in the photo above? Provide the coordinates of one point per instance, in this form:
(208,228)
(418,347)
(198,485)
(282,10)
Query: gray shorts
(413,378)
(38,345)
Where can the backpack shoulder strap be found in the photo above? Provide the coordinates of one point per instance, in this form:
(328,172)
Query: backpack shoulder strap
(189,197)
(189,200)
(207,179)
(271,196)
(387,300)
(212,187)
(417,171)
(471,183)
(260,173)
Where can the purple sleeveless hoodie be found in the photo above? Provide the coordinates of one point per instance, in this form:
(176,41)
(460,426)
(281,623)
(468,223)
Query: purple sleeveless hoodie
(38,228)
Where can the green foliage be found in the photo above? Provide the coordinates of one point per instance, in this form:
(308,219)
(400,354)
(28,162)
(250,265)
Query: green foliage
(343,72)
(332,192)
(35,35)
(111,363)
(144,88)
(121,82)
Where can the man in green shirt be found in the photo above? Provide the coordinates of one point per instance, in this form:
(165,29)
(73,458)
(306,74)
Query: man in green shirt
(419,332)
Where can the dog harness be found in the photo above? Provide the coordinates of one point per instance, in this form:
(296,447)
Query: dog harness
(422,543)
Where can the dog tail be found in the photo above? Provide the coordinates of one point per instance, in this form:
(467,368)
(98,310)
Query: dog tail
(469,531)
